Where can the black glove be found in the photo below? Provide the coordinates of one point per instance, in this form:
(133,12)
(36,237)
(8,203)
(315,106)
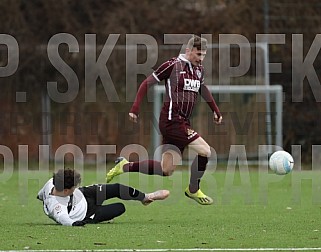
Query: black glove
(79,223)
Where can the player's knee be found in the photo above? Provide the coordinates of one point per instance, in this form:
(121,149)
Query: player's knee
(168,170)
(205,152)
(167,173)
(118,209)
(168,165)
(121,208)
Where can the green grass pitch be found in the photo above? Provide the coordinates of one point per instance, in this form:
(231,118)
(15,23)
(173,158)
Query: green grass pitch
(253,209)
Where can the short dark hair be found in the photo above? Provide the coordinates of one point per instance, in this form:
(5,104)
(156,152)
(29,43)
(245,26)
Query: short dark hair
(198,42)
(66,179)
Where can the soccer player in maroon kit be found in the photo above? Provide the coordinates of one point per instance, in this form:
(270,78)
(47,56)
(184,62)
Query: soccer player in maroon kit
(184,79)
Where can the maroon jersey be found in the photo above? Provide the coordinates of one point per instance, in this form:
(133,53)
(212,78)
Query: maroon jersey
(182,81)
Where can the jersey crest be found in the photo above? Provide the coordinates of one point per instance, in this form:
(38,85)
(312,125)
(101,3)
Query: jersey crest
(198,73)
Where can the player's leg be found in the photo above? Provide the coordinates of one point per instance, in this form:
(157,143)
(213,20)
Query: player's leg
(198,168)
(111,211)
(175,139)
(108,191)
(108,212)
(170,159)
(150,167)
(166,167)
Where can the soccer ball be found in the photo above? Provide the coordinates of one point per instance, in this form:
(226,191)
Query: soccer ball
(281,162)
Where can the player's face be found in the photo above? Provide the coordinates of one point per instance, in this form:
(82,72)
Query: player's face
(195,56)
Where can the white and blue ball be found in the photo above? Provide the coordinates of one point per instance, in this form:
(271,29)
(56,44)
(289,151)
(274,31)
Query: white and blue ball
(281,162)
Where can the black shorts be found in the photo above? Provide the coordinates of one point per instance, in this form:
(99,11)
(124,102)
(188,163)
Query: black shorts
(95,196)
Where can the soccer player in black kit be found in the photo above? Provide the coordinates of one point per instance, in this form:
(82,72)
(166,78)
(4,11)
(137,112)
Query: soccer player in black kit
(70,205)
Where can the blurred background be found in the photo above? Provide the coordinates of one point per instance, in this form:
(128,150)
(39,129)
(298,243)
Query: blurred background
(37,120)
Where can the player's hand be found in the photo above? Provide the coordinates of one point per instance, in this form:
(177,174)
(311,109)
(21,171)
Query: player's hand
(133,117)
(217,119)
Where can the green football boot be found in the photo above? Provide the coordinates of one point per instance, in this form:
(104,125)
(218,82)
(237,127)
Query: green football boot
(199,197)
(117,169)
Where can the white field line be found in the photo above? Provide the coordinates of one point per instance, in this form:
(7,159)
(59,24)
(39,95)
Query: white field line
(169,249)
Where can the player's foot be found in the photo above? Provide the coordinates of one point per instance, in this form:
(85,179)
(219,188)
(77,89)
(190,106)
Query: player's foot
(158,195)
(199,197)
(118,168)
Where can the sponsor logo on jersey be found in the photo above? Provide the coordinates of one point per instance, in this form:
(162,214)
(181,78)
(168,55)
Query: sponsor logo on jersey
(192,85)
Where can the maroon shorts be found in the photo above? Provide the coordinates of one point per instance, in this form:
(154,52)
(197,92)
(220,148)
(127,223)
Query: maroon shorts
(176,133)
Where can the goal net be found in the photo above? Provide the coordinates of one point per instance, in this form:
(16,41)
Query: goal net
(247,119)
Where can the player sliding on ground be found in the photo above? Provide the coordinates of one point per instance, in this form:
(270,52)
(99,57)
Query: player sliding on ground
(69,205)
(184,79)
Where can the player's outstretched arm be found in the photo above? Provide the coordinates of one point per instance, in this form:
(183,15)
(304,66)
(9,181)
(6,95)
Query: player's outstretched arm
(60,214)
(142,91)
(207,96)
